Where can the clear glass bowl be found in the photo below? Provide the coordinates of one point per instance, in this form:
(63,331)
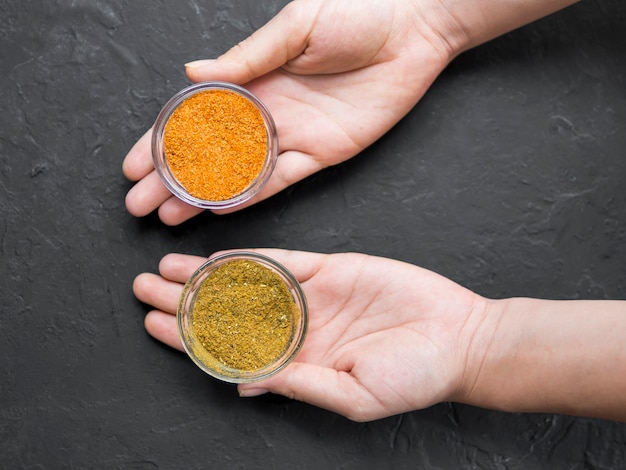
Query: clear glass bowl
(160,159)
(208,361)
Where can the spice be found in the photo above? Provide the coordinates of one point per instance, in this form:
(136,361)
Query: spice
(215,144)
(244,316)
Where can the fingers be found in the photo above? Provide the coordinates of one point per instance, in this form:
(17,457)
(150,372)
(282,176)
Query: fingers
(163,292)
(179,268)
(283,38)
(174,211)
(150,194)
(326,388)
(154,290)
(291,167)
(147,195)
(162,326)
(138,163)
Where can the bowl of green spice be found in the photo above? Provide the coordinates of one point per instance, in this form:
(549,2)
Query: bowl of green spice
(242,317)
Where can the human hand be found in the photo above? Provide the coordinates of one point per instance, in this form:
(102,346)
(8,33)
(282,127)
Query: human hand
(384,336)
(336,75)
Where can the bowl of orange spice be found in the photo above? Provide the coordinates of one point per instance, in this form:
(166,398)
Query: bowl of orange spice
(214,145)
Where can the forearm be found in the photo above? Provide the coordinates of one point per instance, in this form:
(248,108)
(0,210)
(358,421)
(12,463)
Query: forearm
(553,356)
(463,24)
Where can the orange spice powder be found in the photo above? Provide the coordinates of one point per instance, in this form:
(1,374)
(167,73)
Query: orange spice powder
(215,144)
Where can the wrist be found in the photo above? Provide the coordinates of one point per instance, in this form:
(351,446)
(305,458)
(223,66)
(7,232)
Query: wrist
(494,357)
(463,24)
(480,348)
(551,356)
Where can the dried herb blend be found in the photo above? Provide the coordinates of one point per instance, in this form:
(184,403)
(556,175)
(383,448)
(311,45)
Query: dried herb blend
(244,315)
(215,144)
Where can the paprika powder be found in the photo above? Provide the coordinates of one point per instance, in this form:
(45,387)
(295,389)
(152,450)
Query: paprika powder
(214,145)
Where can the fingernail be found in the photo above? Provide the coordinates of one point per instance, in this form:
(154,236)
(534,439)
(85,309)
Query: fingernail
(199,63)
(252,392)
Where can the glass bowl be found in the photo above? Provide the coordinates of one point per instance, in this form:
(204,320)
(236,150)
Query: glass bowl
(227,123)
(242,317)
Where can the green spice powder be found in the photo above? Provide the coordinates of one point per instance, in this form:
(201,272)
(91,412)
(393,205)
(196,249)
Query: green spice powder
(244,315)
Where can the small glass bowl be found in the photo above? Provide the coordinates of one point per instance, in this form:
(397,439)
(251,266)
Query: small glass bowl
(160,160)
(202,357)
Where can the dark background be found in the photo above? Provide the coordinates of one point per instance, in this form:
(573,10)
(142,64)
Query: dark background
(508,177)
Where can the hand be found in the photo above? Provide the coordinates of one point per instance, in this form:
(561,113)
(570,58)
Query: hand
(336,75)
(384,336)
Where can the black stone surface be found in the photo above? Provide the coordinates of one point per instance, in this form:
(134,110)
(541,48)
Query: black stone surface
(508,177)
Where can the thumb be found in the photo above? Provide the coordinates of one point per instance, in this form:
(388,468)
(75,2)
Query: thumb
(326,388)
(283,38)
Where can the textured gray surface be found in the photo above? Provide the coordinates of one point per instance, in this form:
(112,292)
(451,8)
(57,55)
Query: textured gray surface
(508,177)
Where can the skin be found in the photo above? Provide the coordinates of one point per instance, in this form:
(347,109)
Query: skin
(336,75)
(379,331)
(387,337)
(317,70)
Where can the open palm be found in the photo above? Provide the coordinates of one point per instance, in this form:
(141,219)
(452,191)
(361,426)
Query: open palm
(384,336)
(335,76)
